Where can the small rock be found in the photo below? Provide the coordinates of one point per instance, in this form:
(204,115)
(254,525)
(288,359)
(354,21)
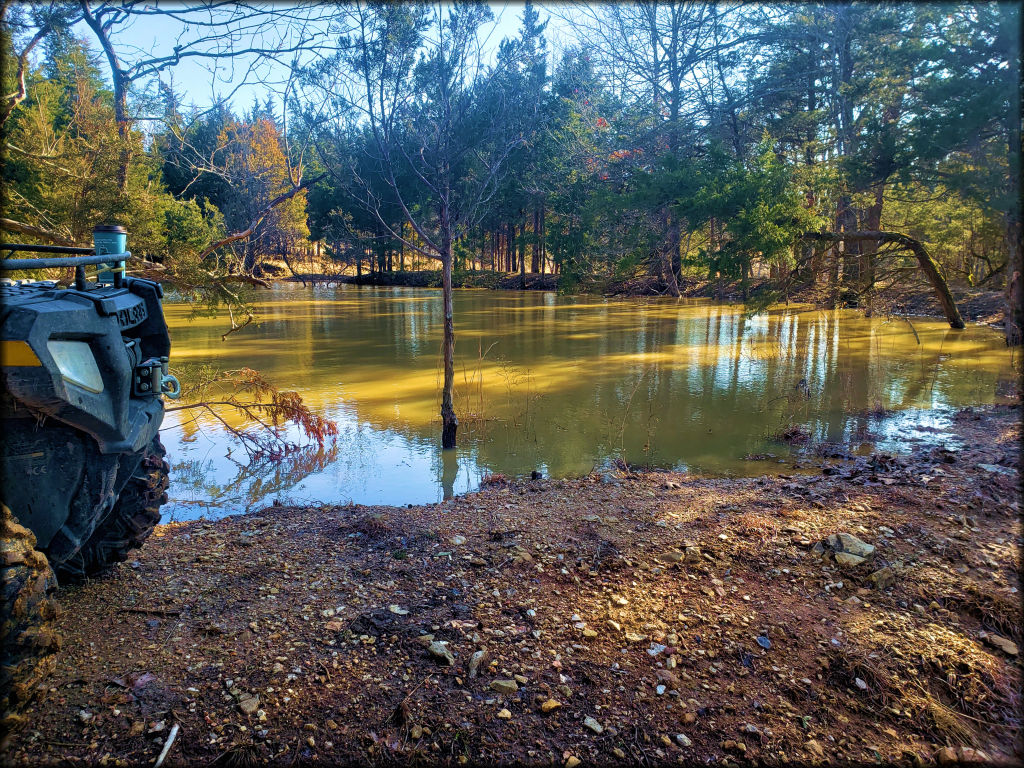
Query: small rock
(615,625)
(572,761)
(458,541)
(946,756)
(814,747)
(848,560)
(592,724)
(475,660)
(397,610)
(84,715)
(996,468)
(633,637)
(883,577)
(521,679)
(618,753)
(416,731)
(550,705)
(968,755)
(504,686)
(440,652)
(620,600)
(589,633)
(504,714)
(660,690)
(690,718)
(683,740)
(1006,645)
(843,543)
(672,556)
(860,683)
(249,705)
(764,642)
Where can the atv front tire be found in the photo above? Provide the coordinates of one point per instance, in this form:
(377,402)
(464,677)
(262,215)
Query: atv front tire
(28,639)
(131,521)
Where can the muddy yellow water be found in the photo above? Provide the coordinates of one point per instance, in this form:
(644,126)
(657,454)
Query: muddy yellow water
(562,386)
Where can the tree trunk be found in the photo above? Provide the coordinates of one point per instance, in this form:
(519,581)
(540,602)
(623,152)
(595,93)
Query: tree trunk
(449,423)
(873,222)
(119,79)
(1013,322)
(670,253)
(535,243)
(540,239)
(522,262)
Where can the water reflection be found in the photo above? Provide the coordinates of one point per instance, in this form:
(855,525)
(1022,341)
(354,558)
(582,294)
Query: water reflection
(561,385)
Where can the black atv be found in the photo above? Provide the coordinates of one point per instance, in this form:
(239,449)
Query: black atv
(83,471)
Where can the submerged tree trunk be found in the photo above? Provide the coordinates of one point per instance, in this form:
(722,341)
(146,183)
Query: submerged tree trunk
(924,260)
(449,423)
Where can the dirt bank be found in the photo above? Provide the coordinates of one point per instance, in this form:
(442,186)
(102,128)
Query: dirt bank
(642,618)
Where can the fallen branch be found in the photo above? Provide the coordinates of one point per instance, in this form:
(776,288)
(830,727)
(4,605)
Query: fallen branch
(907,320)
(27,229)
(155,611)
(167,746)
(924,260)
(243,234)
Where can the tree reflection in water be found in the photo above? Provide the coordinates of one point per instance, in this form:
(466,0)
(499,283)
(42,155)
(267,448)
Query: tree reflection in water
(254,483)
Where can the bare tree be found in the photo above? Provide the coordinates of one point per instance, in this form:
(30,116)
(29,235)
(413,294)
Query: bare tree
(245,35)
(408,115)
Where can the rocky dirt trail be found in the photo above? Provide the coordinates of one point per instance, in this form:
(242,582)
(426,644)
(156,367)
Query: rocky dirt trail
(866,613)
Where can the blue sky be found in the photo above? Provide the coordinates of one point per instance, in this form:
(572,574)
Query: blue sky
(201,81)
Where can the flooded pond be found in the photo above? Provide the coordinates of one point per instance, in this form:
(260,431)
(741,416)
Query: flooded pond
(561,385)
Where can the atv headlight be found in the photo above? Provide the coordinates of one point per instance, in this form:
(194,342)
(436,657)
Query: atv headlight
(76,363)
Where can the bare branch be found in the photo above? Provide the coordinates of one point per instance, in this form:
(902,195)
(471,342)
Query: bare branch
(43,234)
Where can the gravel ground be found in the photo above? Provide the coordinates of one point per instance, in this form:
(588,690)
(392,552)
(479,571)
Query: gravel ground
(866,612)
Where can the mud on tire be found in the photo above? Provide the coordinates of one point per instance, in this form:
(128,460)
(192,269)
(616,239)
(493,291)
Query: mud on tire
(131,521)
(28,638)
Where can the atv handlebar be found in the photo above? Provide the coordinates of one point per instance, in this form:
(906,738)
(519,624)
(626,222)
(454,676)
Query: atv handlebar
(59,261)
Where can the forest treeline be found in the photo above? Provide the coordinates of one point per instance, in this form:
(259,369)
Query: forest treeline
(811,145)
